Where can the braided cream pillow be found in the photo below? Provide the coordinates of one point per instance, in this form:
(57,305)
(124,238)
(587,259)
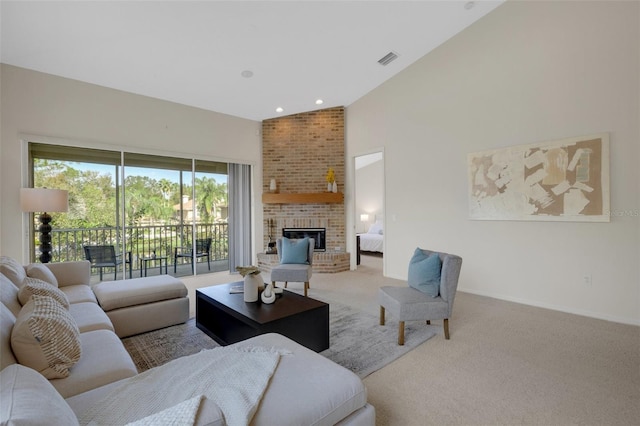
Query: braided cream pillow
(45,337)
(37,286)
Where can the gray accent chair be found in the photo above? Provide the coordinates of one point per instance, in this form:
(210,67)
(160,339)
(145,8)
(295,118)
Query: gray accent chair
(409,304)
(293,272)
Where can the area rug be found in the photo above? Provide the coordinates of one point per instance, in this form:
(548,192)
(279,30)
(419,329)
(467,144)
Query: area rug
(357,341)
(158,347)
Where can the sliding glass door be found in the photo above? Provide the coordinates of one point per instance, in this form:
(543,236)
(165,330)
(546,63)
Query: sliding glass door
(152,209)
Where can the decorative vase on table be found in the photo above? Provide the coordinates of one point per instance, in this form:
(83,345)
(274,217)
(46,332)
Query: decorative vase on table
(252,282)
(334,187)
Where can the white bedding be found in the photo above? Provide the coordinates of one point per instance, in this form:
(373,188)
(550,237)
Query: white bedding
(234,378)
(371,242)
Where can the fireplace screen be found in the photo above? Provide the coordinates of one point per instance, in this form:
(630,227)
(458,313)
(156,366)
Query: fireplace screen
(318,235)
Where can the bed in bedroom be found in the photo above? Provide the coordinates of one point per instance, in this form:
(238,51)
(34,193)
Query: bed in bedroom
(371,241)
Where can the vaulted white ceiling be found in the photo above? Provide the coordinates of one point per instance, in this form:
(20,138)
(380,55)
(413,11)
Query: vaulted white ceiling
(195,53)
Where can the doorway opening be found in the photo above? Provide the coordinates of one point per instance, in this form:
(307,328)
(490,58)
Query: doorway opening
(369,211)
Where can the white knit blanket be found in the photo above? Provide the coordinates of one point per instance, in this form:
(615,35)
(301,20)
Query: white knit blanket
(234,378)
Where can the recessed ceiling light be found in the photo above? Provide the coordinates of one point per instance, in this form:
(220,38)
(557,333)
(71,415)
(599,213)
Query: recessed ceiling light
(279,109)
(469,5)
(319,101)
(247,73)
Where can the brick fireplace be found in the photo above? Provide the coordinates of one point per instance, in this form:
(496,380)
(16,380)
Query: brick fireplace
(297,151)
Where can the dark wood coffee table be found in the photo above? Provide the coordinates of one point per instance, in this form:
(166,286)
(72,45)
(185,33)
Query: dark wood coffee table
(227,318)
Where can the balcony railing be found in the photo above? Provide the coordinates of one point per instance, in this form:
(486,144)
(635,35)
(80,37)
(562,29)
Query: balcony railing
(141,241)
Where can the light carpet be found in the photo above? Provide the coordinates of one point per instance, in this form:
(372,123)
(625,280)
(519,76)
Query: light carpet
(357,341)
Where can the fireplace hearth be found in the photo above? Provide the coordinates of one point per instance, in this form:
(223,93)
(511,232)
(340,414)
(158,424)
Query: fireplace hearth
(318,235)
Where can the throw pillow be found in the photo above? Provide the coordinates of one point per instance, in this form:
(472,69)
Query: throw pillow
(27,398)
(424,272)
(295,251)
(38,270)
(41,288)
(12,270)
(45,337)
(376,228)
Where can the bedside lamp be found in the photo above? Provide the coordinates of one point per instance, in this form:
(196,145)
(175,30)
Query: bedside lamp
(43,200)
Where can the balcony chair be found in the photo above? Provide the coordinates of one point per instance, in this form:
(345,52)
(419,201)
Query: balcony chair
(296,262)
(203,249)
(106,257)
(412,304)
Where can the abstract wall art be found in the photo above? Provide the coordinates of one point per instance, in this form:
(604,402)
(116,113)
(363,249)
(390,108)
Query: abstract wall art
(563,180)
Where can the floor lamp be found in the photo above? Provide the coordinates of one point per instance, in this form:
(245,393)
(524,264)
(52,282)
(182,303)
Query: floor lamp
(43,200)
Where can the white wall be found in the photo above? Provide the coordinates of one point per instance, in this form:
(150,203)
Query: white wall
(68,111)
(369,187)
(527,72)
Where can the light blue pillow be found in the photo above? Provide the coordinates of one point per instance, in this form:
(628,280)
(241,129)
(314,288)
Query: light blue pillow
(295,251)
(424,272)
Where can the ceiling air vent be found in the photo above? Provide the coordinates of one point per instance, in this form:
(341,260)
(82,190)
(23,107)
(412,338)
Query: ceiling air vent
(387,59)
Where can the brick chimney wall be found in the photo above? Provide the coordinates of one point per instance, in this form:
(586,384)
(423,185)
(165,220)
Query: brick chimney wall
(297,151)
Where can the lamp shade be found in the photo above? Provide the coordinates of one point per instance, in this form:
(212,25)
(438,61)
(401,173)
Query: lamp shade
(364,217)
(44,200)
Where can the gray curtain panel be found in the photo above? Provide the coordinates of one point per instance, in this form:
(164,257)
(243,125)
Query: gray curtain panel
(239,215)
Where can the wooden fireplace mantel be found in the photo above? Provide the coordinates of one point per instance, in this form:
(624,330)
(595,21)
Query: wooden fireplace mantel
(303,198)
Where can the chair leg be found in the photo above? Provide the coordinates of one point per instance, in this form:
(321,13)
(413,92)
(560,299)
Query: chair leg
(209,262)
(100,274)
(306,288)
(285,284)
(446,328)
(381,315)
(401,333)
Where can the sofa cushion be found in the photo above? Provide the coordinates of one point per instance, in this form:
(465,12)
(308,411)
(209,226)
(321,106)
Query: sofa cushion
(89,316)
(40,271)
(9,294)
(306,388)
(27,398)
(424,272)
(71,272)
(104,360)
(7,319)
(12,270)
(37,286)
(46,338)
(79,293)
(124,293)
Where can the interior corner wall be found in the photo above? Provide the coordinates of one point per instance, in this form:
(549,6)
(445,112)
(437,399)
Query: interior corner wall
(82,114)
(527,72)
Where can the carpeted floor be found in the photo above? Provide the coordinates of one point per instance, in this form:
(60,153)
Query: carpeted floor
(357,341)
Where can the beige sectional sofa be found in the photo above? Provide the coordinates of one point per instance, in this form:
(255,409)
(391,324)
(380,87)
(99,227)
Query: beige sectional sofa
(304,388)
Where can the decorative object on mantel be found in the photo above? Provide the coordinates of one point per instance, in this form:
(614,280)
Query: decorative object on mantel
(331,180)
(273,187)
(335,187)
(268,296)
(252,281)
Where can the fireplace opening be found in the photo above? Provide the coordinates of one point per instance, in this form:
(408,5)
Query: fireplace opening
(318,235)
